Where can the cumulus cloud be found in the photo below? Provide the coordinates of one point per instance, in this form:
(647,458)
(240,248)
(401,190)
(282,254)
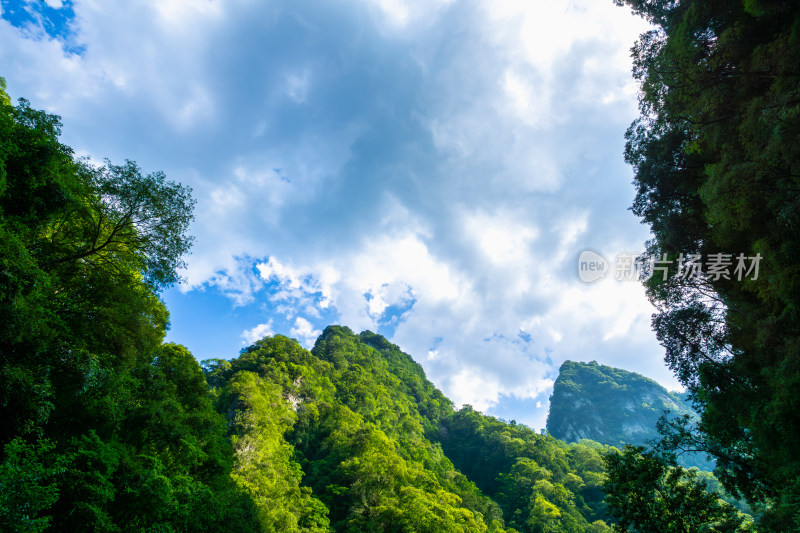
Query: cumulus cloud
(304,332)
(257,333)
(427,169)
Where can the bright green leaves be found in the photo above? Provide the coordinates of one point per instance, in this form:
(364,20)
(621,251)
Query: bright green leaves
(125,223)
(264,464)
(142,214)
(104,428)
(4,98)
(347,432)
(421,511)
(83,251)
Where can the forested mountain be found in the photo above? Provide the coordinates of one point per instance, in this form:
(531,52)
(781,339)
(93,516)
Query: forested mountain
(105,428)
(606,404)
(614,407)
(352,436)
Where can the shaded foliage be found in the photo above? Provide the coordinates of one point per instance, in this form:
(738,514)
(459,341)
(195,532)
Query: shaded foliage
(541,483)
(716,155)
(647,494)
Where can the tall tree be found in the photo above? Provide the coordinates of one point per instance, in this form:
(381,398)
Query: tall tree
(104,428)
(716,155)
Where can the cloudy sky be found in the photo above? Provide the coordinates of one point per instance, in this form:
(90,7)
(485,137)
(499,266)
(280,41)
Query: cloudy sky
(426,169)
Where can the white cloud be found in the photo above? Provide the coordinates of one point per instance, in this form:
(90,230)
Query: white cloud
(395,293)
(304,332)
(297,85)
(257,333)
(196,110)
(447,159)
(395,10)
(502,238)
(399,14)
(470,386)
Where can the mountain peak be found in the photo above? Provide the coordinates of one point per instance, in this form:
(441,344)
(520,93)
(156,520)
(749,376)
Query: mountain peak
(610,405)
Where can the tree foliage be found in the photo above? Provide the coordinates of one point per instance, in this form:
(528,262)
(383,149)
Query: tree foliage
(647,494)
(104,427)
(542,484)
(716,154)
(374,446)
(342,426)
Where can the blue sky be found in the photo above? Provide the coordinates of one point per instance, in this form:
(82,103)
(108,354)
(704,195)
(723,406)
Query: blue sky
(426,169)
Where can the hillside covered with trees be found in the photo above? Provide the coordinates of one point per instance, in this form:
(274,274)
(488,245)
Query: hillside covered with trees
(107,428)
(606,404)
(615,407)
(351,435)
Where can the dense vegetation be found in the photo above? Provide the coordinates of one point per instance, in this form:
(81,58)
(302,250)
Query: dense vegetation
(352,435)
(104,427)
(647,494)
(716,155)
(614,407)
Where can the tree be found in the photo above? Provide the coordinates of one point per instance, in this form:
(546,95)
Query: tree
(716,155)
(104,427)
(83,251)
(127,217)
(645,494)
(28,485)
(4,98)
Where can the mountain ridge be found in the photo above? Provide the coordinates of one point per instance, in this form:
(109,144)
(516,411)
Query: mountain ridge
(351,436)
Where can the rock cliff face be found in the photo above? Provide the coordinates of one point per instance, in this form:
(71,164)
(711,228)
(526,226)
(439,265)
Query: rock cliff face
(611,406)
